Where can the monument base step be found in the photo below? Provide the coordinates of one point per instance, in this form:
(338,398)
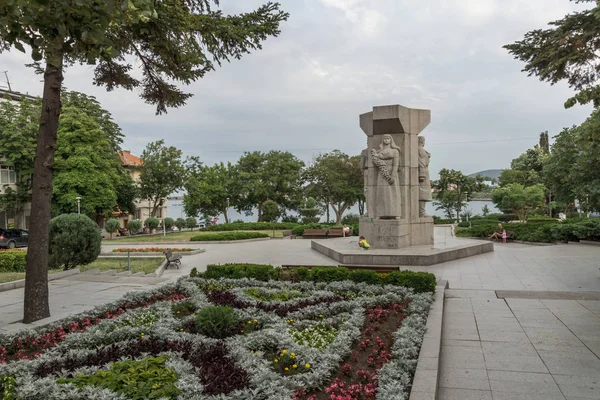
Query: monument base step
(346,252)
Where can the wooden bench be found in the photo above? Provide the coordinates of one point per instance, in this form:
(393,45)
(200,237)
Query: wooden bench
(338,232)
(383,269)
(314,233)
(172,259)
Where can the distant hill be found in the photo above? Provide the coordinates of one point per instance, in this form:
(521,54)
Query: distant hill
(491,173)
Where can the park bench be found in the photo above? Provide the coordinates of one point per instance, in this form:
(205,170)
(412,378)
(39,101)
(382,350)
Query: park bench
(172,259)
(314,233)
(289,234)
(338,232)
(123,232)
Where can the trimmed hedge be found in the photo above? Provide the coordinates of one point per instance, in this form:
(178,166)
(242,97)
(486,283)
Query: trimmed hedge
(250,226)
(13,260)
(226,236)
(420,282)
(543,230)
(299,230)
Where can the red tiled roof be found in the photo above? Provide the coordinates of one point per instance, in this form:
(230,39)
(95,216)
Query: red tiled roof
(129,160)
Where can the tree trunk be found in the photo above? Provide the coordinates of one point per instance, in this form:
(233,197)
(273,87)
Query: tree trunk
(260,213)
(36,304)
(361,207)
(225,215)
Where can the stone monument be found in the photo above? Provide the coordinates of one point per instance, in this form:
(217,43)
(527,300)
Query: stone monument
(396,171)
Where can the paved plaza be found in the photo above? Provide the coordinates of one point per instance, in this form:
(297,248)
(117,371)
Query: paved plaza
(541,341)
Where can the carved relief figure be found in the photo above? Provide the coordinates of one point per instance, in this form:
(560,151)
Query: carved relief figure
(424,182)
(387,162)
(364,167)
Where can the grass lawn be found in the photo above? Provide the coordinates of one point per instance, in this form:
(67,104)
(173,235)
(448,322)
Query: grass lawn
(174,237)
(147,265)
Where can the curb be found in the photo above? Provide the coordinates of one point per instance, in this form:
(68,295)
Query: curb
(159,271)
(425,381)
(21,282)
(149,254)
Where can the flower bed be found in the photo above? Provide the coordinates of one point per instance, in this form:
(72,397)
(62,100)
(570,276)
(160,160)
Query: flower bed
(227,339)
(151,250)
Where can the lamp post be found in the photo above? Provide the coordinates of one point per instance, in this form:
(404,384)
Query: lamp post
(78,204)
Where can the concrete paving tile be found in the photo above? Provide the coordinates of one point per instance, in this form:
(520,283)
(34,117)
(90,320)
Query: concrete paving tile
(462,357)
(425,380)
(461,343)
(549,337)
(579,386)
(414,395)
(503,362)
(577,361)
(460,334)
(521,304)
(459,378)
(526,396)
(503,336)
(522,382)
(463,394)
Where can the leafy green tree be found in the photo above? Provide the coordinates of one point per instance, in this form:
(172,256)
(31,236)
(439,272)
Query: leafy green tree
(531,160)
(275,175)
(571,169)
(162,173)
(169,223)
(19,126)
(566,51)
(74,240)
(151,223)
(336,179)
(180,223)
(134,226)
(111,226)
(309,210)
(525,178)
(85,165)
(211,190)
(270,211)
(519,199)
(453,190)
(127,192)
(173,40)
(191,223)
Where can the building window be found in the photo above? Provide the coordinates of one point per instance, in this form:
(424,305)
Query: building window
(138,214)
(159,212)
(7,175)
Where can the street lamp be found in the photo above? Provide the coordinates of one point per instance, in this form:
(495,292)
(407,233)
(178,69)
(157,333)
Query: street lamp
(78,204)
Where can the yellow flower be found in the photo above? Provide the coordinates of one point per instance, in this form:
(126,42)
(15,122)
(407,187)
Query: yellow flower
(283,351)
(275,360)
(177,312)
(286,368)
(249,322)
(181,329)
(293,356)
(242,331)
(320,315)
(155,386)
(294,366)
(307,365)
(255,321)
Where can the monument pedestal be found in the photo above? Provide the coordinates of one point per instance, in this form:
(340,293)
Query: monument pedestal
(396,233)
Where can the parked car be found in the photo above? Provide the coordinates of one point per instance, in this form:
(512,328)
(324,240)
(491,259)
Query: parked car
(12,238)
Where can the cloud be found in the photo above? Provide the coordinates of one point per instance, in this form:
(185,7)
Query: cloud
(335,59)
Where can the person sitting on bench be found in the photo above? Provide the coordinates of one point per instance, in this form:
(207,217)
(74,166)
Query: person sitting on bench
(363,243)
(345,230)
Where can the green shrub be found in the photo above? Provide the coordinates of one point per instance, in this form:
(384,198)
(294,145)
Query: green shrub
(74,240)
(134,226)
(168,223)
(443,221)
(226,236)
(330,274)
(282,295)
(365,275)
(420,282)
(355,230)
(7,387)
(270,211)
(191,223)
(111,226)
(507,217)
(217,322)
(195,274)
(250,226)
(151,223)
(180,223)
(13,260)
(145,379)
(350,219)
(183,308)
(290,218)
(259,272)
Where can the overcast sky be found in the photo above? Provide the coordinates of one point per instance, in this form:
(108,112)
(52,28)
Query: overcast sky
(336,59)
